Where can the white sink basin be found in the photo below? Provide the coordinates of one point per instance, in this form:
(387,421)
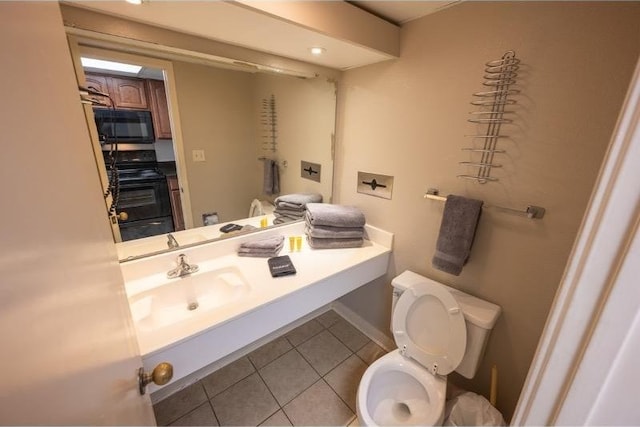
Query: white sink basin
(177,300)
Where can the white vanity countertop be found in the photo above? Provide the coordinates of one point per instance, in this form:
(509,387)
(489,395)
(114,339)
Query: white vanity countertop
(312,265)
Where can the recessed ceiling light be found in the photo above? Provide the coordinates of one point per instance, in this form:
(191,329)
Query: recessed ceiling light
(317,50)
(134,1)
(110,65)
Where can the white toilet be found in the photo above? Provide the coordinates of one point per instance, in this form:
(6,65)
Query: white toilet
(438,329)
(260,208)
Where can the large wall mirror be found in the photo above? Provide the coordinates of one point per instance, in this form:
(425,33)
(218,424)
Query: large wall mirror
(210,141)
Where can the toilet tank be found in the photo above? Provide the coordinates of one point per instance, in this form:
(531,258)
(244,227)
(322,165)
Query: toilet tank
(480,316)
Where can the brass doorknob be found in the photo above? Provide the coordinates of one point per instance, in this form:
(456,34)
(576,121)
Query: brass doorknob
(160,375)
(123,216)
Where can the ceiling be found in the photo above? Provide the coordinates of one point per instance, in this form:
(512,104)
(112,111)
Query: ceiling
(401,12)
(242,26)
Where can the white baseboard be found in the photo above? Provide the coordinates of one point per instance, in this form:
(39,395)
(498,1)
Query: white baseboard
(380,338)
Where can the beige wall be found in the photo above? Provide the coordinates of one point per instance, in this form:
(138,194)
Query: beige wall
(216,113)
(306,113)
(407,118)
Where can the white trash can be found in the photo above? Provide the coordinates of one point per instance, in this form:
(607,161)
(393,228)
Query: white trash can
(470,409)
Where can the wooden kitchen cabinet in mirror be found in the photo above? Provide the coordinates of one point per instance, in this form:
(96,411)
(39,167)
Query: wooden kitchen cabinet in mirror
(99,83)
(128,92)
(159,109)
(176,202)
(125,92)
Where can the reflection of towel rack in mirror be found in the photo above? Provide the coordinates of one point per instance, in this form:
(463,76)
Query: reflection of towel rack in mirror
(531,212)
(499,75)
(282,163)
(269,121)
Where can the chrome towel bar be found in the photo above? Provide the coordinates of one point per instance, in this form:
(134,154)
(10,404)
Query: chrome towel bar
(531,212)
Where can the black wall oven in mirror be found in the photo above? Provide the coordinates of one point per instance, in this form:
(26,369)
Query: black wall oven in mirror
(129,126)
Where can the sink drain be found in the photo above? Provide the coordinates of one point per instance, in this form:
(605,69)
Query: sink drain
(192,306)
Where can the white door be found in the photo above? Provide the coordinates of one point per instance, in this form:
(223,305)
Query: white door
(68,354)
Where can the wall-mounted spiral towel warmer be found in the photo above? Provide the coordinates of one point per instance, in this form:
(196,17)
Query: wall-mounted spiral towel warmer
(499,75)
(269,121)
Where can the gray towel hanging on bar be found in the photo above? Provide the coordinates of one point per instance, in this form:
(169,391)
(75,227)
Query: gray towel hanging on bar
(457,231)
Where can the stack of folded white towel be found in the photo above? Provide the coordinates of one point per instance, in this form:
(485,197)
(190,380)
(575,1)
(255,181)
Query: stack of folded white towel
(291,207)
(263,248)
(334,226)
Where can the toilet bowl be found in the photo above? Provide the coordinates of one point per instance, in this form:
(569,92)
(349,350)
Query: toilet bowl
(438,329)
(398,391)
(260,207)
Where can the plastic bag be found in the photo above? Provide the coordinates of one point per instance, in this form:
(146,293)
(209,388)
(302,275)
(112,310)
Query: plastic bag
(470,409)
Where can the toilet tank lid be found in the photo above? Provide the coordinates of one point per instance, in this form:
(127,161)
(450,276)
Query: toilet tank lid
(477,311)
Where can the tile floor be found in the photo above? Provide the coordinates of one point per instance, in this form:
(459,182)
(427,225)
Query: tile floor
(307,377)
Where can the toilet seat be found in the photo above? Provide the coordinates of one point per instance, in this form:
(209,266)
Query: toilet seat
(429,327)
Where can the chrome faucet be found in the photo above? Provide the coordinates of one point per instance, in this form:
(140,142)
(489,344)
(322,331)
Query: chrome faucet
(183,269)
(172,242)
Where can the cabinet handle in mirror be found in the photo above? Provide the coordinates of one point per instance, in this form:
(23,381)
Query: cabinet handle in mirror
(123,216)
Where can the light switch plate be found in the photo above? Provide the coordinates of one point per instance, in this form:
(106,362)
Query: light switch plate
(375,184)
(198,155)
(310,171)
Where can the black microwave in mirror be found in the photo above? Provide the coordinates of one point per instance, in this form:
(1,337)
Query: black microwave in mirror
(131,126)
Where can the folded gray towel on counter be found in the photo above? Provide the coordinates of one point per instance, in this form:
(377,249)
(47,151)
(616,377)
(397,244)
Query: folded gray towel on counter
(269,243)
(258,253)
(328,232)
(334,215)
(317,243)
(457,231)
(299,199)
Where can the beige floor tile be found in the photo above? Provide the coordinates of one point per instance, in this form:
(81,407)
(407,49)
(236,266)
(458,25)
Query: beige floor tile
(324,352)
(179,404)
(345,378)
(349,335)
(318,405)
(328,318)
(201,416)
(288,375)
(225,377)
(245,403)
(277,419)
(304,332)
(371,352)
(270,352)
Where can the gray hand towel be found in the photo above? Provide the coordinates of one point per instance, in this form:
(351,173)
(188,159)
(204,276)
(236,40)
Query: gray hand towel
(290,206)
(270,243)
(334,215)
(271,177)
(296,212)
(328,232)
(316,243)
(299,199)
(457,230)
(258,253)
